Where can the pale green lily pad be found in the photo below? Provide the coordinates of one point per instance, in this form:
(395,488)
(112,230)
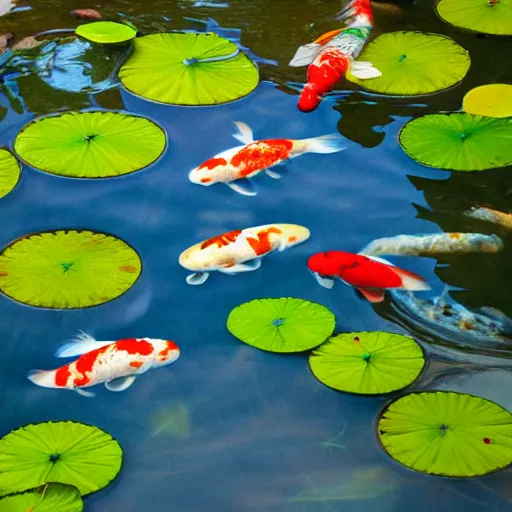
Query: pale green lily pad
(281,325)
(447,434)
(106,32)
(48,498)
(10,171)
(491,100)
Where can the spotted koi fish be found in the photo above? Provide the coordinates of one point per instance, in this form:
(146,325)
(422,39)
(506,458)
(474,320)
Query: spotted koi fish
(490,215)
(239,250)
(333,54)
(236,166)
(116,364)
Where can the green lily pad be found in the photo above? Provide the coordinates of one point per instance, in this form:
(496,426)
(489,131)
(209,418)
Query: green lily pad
(64,452)
(447,434)
(458,141)
(48,498)
(10,172)
(367,363)
(485,16)
(68,269)
(188,69)
(492,100)
(106,32)
(281,325)
(90,144)
(413,63)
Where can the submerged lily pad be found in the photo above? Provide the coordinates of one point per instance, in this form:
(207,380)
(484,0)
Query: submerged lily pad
(413,63)
(492,100)
(486,16)
(188,69)
(10,171)
(48,498)
(63,452)
(106,32)
(458,141)
(68,269)
(367,363)
(90,144)
(447,434)
(281,325)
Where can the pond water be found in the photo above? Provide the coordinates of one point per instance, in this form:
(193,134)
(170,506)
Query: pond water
(228,427)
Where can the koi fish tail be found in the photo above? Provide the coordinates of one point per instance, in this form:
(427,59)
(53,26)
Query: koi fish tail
(410,281)
(331,143)
(43,378)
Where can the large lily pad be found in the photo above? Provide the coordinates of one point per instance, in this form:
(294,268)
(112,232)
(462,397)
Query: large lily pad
(492,100)
(90,144)
(63,452)
(367,363)
(106,32)
(413,63)
(10,171)
(188,69)
(48,498)
(68,269)
(447,433)
(281,325)
(458,141)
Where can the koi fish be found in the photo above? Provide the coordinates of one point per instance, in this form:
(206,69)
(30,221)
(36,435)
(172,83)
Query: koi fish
(333,54)
(114,363)
(429,245)
(241,163)
(370,275)
(239,250)
(490,215)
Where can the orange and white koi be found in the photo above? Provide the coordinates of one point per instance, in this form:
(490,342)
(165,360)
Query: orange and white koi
(239,250)
(333,54)
(234,167)
(114,363)
(490,215)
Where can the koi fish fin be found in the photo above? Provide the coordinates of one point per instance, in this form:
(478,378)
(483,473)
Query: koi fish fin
(242,267)
(364,70)
(331,143)
(328,36)
(82,392)
(43,378)
(120,384)
(273,174)
(326,282)
(305,55)
(244,133)
(243,186)
(80,344)
(197,278)
(411,281)
(372,296)
(380,260)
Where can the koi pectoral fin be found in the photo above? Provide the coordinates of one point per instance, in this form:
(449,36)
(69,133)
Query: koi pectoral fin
(242,267)
(305,55)
(244,187)
(82,392)
(120,384)
(326,282)
(197,278)
(372,296)
(364,70)
(273,174)
(244,134)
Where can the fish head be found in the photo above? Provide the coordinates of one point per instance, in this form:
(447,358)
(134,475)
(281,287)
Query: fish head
(325,266)
(292,234)
(197,259)
(207,173)
(167,352)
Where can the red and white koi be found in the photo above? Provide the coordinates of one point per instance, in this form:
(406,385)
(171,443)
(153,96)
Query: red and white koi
(114,363)
(234,167)
(240,250)
(333,54)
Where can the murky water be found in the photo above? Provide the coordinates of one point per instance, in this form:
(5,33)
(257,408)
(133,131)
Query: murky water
(227,427)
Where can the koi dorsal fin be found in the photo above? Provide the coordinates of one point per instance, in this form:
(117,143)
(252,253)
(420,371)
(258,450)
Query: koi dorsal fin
(79,345)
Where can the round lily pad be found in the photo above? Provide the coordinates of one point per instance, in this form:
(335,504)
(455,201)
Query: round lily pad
(413,63)
(106,32)
(48,498)
(486,16)
(367,363)
(68,269)
(188,69)
(458,141)
(90,144)
(10,171)
(492,100)
(281,325)
(63,452)
(447,434)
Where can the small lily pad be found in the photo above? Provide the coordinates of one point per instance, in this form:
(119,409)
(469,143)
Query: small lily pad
(48,498)
(10,171)
(447,434)
(492,100)
(281,325)
(367,363)
(64,452)
(413,63)
(106,32)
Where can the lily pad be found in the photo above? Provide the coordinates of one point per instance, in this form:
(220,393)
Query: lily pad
(458,141)
(64,452)
(10,171)
(367,363)
(68,269)
(413,63)
(188,69)
(281,325)
(90,144)
(485,16)
(106,32)
(447,434)
(48,498)
(492,100)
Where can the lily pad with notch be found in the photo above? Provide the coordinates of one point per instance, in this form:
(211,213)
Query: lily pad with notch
(10,172)
(48,498)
